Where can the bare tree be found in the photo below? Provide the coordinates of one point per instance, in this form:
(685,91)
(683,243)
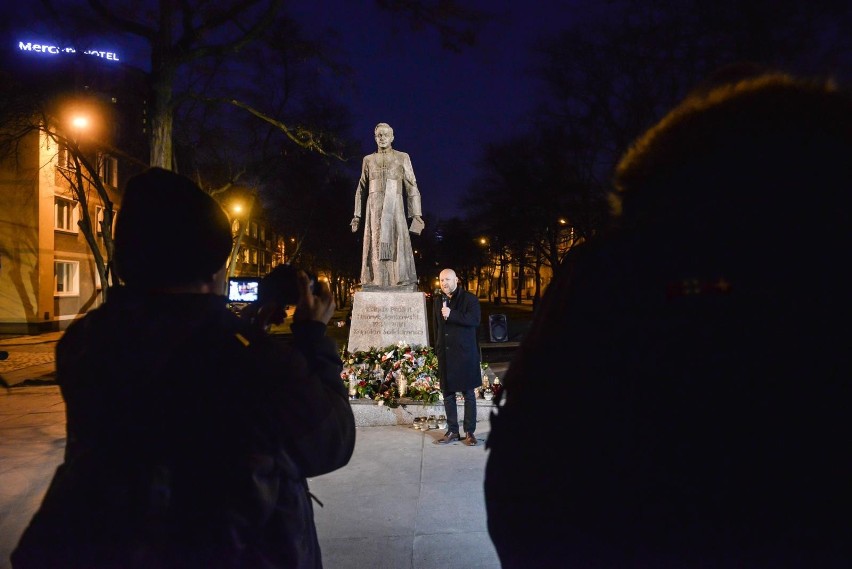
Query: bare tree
(180,33)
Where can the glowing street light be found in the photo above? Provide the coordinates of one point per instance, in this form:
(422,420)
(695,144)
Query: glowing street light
(80,123)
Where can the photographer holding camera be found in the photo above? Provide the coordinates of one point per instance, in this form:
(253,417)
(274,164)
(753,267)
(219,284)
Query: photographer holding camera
(277,291)
(190,433)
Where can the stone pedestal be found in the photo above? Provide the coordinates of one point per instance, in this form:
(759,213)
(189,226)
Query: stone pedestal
(380,319)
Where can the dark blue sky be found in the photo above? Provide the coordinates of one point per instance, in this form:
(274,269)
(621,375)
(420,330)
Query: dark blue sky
(443,106)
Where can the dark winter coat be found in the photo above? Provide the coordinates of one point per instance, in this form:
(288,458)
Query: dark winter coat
(190,437)
(456,343)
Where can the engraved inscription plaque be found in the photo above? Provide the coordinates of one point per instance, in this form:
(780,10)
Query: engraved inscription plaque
(380,319)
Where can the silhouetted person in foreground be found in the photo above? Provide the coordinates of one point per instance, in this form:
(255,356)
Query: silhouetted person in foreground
(190,434)
(698,352)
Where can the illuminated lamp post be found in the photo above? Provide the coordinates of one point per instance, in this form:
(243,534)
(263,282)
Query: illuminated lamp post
(79,123)
(236,210)
(483,241)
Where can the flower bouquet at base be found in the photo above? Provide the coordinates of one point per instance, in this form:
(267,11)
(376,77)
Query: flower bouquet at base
(382,374)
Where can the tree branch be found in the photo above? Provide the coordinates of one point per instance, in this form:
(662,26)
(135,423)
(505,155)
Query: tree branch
(300,135)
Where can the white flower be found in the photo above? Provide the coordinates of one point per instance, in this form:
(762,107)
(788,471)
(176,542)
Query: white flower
(381,402)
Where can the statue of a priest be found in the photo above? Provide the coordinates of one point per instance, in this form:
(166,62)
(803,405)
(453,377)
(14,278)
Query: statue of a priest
(389,187)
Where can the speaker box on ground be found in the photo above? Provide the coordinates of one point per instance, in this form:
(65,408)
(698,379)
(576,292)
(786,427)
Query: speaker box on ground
(498,328)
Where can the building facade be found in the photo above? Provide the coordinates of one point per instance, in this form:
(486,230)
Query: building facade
(48,273)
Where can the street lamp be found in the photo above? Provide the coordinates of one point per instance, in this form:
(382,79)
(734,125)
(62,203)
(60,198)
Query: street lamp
(237,218)
(79,123)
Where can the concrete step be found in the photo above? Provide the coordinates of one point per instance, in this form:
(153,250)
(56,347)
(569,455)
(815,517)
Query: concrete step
(369,414)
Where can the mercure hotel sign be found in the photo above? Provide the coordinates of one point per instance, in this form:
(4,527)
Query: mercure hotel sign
(55,50)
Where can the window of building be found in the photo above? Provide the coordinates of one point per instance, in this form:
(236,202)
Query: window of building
(254,229)
(254,256)
(64,214)
(63,157)
(262,233)
(66,278)
(108,169)
(99,219)
(98,282)
(245,255)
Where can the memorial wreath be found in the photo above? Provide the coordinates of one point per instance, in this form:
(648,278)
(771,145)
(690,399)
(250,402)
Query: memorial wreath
(386,375)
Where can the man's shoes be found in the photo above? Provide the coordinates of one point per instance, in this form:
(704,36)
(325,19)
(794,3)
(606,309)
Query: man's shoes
(470,440)
(448,438)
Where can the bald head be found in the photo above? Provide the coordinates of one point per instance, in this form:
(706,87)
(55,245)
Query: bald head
(449,281)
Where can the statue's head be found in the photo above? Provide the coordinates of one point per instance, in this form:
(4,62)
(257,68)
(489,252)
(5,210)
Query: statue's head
(384,135)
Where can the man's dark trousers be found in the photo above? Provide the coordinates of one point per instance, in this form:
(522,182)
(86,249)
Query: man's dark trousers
(451,409)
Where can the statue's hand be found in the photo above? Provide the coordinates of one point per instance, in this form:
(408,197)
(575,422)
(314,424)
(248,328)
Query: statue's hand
(356,221)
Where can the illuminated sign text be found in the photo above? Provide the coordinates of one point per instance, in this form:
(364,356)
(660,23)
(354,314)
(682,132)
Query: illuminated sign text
(54,50)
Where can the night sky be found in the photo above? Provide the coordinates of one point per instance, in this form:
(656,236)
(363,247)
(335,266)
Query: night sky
(443,106)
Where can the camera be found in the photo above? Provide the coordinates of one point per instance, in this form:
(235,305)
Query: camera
(281,286)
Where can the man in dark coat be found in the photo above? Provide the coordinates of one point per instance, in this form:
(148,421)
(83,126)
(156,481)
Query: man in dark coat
(190,433)
(703,382)
(457,317)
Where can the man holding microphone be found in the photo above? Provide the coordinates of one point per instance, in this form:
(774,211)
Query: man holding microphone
(457,317)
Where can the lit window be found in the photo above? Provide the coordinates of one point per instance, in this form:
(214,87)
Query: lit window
(254,230)
(108,169)
(66,278)
(64,214)
(245,255)
(262,233)
(254,256)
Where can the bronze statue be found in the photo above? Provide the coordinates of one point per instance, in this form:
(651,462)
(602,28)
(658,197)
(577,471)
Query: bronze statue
(387,175)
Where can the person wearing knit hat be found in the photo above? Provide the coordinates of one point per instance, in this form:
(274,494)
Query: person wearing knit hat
(161,210)
(191,434)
